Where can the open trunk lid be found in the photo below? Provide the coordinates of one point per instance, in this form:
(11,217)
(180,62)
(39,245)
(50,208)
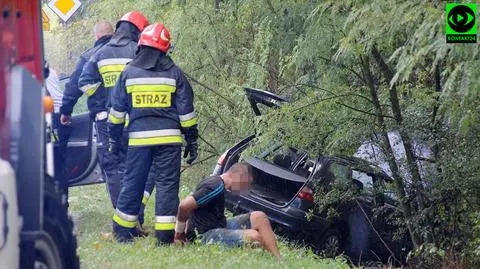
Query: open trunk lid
(274,184)
(257,96)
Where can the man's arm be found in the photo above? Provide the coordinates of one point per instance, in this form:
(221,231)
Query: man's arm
(72,92)
(120,107)
(90,79)
(184,211)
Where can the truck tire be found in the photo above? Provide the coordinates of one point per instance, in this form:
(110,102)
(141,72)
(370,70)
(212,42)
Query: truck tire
(57,249)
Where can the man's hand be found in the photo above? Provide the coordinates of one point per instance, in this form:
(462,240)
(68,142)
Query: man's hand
(113,146)
(65,119)
(191,149)
(180,239)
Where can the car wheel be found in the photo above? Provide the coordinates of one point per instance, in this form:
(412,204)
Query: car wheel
(58,248)
(330,245)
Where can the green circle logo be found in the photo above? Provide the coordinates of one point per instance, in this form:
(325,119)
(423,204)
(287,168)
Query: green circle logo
(461,18)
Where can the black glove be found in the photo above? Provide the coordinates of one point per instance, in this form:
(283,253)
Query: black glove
(191,136)
(191,149)
(114,146)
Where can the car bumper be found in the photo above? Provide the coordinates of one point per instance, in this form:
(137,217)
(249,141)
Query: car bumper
(290,218)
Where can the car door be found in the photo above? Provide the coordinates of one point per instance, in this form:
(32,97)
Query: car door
(81,157)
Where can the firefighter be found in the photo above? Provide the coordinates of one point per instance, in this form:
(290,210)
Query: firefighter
(158,99)
(103,32)
(97,80)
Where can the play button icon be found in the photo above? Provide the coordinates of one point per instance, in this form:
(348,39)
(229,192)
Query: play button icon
(461,19)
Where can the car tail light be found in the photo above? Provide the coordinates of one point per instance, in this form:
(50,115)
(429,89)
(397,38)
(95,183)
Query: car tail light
(306,194)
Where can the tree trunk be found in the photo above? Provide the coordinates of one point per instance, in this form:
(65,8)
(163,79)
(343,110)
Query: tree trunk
(272,69)
(405,137)
(400,188)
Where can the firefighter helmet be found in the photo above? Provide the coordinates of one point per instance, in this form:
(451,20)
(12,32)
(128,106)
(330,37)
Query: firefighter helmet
(156,36)
(136,18)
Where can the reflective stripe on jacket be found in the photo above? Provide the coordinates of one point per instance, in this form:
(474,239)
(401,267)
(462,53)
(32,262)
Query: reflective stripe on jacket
(159,105)
(101,73)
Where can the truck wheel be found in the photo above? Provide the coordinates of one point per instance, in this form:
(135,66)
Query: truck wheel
(58,248)
(47,254)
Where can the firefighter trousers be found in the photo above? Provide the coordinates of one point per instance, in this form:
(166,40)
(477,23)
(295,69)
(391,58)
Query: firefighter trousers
(147,193)
(164,161)
(113,165)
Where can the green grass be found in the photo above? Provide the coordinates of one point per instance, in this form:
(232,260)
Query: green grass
(92,212)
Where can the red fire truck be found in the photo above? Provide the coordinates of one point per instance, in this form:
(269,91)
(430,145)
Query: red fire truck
(35,230)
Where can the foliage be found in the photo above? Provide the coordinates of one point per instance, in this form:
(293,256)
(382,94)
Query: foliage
(354,71)
(97,249)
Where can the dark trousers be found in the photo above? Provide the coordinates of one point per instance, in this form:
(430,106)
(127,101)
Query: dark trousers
(164,162)
(149,186)
(62,134)
(113,165)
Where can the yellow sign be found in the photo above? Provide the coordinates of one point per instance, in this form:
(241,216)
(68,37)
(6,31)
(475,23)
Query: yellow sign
(45,21)
(64,8)
(151,99)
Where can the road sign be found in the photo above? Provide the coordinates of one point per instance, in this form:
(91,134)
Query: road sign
(64,8)
(45,21)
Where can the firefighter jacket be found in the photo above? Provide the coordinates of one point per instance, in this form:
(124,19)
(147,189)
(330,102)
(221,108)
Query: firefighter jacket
(72,93)
(158,100)
(102,71)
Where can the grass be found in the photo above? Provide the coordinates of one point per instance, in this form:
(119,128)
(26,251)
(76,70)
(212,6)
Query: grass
(92,212)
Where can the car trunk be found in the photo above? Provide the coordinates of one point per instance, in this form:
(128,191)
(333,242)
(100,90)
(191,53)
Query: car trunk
(273,183)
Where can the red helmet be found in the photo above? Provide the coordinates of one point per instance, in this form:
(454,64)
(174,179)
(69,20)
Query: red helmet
(156,36)
(136,18)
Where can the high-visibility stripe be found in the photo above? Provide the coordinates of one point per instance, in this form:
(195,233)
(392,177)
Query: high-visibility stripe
(165,226)
(113,61)
(116,117)
(165,219)
(117,114)
(125,216)
(154,133)
(155,137)
(146,195)
(189,123)
(115,120)
(163,223)
(188,116)
(151,88)
(127,120)
(155,141)
(150,81)
(90,89)
(111,68)
(124,223)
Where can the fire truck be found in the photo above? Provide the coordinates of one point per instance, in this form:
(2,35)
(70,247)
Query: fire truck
(35,229)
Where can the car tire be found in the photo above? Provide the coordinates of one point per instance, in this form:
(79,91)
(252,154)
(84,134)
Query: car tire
(329,245)
(57,248)
(357,241)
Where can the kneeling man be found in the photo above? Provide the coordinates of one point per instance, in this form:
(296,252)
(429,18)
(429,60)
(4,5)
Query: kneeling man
(204,210)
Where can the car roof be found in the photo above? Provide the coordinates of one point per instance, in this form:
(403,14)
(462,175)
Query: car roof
(360,164)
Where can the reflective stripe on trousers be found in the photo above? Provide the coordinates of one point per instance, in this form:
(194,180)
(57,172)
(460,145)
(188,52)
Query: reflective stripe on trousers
(165,160)
(164,223)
